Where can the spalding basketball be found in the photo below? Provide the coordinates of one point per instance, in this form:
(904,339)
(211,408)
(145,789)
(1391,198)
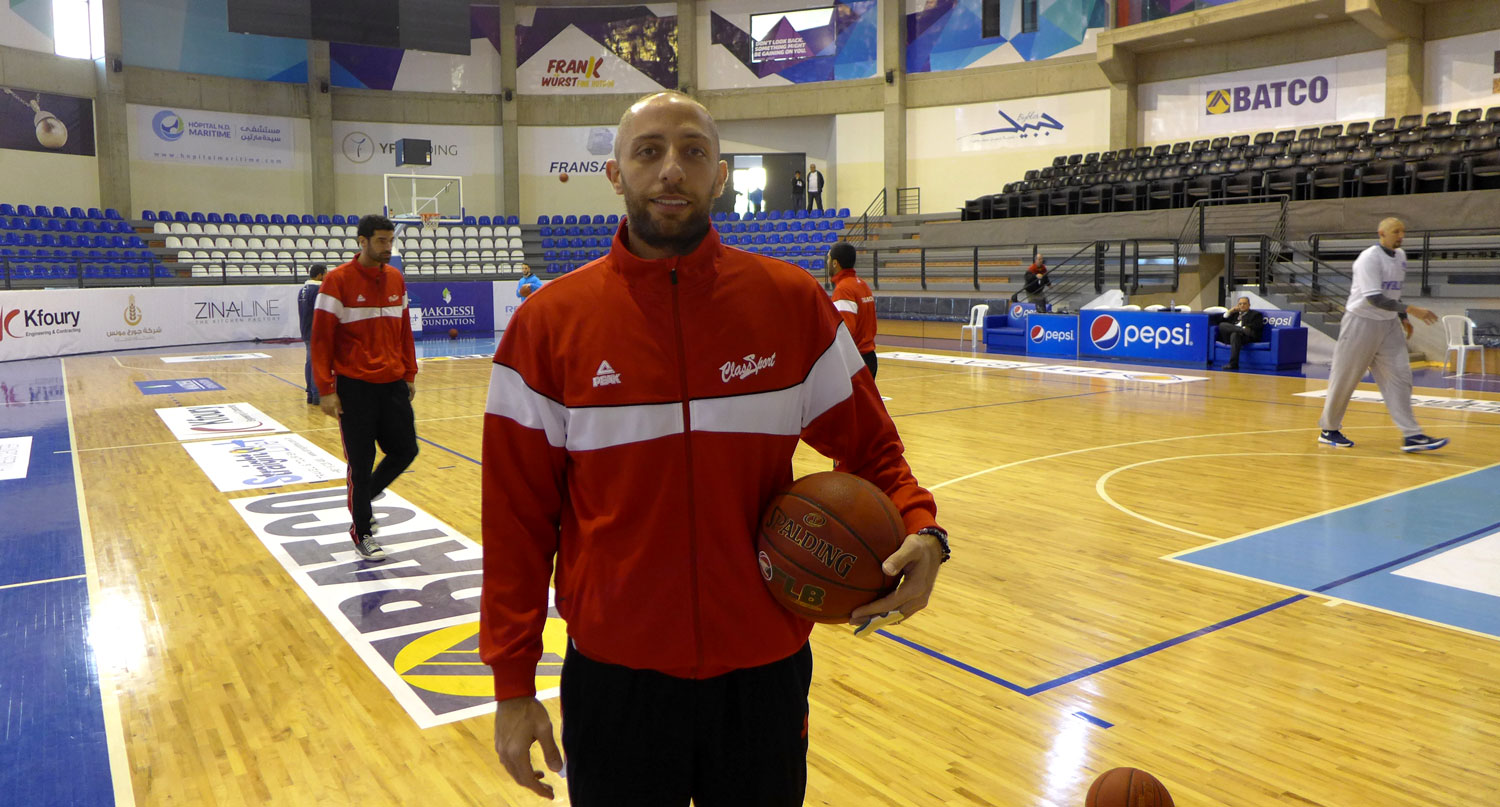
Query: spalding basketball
(821,544)
(1127,787)
(452,333)
(562,177)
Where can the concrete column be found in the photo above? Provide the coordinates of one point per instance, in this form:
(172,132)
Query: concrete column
(111,124)
(509,192)
(1404,77)
(1124,116)
(893,65)
(320,127)
(687,46)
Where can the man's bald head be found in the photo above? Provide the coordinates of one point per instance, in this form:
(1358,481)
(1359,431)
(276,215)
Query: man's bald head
(664,99)
(1392,232)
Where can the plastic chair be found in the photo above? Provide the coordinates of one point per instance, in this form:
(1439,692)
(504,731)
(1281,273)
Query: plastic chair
(1130,307)
(1156,307)
(975,326)
(1182,309)
(1460,333)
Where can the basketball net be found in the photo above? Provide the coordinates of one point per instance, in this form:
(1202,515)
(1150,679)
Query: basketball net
(430,222)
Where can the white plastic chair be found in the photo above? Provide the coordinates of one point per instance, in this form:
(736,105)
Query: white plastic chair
(1156,307)
(1460,334)
(976,325)
(1182,309)
(1130,307)
(1216,309)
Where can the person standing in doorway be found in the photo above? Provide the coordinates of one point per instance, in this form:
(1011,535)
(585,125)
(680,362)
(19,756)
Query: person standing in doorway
(799,191)
(1371,338)
(365,365)
(307,302)
(755,197)
(814,187)
(854,300)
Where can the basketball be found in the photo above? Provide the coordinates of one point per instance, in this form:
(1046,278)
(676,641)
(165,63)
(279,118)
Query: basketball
(452,333)
(821,544)
(563,177)
(1127,787)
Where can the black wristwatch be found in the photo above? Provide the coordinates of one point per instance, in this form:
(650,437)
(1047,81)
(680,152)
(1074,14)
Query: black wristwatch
(942,536)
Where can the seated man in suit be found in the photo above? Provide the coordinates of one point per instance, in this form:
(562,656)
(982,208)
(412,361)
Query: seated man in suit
(1242,324)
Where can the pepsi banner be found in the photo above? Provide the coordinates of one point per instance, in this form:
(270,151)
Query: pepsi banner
(1052,335)
(1153,337)
(441,307)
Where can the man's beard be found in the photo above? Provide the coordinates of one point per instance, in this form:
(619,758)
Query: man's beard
(644,228)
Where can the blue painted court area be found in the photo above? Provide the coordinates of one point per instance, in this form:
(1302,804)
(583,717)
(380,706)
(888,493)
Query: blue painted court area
(53,750)
(1387,553)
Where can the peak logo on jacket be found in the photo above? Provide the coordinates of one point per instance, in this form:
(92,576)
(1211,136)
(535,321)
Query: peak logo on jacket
(605,375)
(749,366)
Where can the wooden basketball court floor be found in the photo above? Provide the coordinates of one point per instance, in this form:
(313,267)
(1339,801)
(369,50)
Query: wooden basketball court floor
(1075,630)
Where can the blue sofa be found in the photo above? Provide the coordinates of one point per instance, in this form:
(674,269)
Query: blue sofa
(1282,345)
(1006,332)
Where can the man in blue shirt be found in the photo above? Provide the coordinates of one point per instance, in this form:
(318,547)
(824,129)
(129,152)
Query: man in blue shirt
(528,283)
(307,300)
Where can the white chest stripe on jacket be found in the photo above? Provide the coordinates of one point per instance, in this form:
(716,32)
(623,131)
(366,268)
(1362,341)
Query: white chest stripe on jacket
(780,412)
(356,314)
(346,314)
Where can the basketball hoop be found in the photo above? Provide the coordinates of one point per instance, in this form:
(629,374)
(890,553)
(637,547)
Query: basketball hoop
(430,222)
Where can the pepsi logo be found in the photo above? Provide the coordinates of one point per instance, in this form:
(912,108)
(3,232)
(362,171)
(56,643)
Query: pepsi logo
(1017,311)
(1036,333)
(1105,332)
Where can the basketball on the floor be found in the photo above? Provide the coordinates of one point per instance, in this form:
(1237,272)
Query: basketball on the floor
(1127,787)
(452,333)
(563,177)
(821,544)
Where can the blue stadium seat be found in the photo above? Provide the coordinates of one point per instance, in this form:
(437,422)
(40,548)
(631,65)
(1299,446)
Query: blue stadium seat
(323,219)
(7,209)
(113,214)
(543,219)
(164,215)
(277,219)
(570,219)
(43,211)
(612,218)
(199,218)
(351,219)
(471,220)
(76,212)
(215,218)
(484,221)
(148,215)
(25,210)
(598,218)
(338,220)
(510,221)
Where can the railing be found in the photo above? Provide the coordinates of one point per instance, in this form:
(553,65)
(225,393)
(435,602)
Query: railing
(1327,288)
(1425,251)
(10,272)
(908,201)
(860,232)
(1197,230)
(1083,269)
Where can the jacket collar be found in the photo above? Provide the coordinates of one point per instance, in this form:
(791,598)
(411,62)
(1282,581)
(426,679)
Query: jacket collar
(700,265)
(844,274)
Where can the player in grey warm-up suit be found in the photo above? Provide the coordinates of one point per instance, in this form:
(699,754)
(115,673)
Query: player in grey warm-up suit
(1371,338)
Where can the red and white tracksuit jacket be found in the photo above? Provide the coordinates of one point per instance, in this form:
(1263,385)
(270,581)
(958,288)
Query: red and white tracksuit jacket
(854,300)
(641,415)
(361,328)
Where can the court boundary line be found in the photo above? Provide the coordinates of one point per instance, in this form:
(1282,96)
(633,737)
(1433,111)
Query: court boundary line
(1099,484)
(40,582)
(114,727)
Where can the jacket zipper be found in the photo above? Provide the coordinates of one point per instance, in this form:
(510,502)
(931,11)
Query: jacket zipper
(687,444)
